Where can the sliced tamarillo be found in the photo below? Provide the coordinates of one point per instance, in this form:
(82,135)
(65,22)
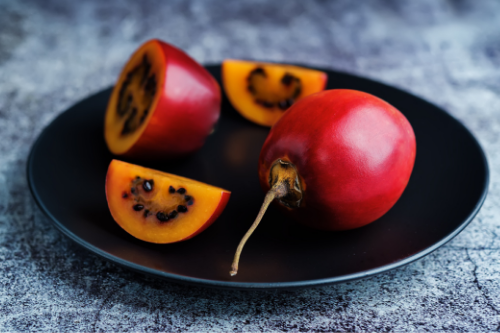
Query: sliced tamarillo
(159,207)
(164,104)
(262,92)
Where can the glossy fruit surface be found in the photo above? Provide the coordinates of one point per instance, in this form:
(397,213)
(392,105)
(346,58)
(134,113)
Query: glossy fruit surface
(353,154)
(262,92)
(164,104)
(158,207)
(337,160)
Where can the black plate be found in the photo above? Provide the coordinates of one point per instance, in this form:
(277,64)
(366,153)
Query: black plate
(68,163)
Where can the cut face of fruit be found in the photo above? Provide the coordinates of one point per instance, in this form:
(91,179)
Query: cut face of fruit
(261,92)
(158,207)
(137,94)
(164,104)
(134,98)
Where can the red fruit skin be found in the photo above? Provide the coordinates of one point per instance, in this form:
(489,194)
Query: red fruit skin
(354,154)
(186,113)
(220,208)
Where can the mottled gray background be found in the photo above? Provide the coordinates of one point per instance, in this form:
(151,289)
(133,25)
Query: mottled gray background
(52,54)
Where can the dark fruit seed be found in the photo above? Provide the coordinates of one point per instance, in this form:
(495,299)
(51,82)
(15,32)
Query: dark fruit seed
(125,195)
(127,127)
(138,207)
(290,102)
(181,190)
(132,190)
(182,209)
(150,83)
(171,189)
(146,213)
(190,202)
(287,79)
(147,185)
(258,71)
(267,104)
(188,197)
(283,105)
(137,177)
(144,78)
(172,214)
(161,216)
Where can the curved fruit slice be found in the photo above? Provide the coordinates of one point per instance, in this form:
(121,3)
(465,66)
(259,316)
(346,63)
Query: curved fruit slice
(164,104)
(261,92)
(159,207)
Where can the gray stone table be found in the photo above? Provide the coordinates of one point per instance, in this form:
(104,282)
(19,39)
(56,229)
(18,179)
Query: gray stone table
(54,53)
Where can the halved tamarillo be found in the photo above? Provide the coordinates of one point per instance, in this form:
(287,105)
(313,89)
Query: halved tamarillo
(159,207)
(262,92)
(164,104)
(337,160)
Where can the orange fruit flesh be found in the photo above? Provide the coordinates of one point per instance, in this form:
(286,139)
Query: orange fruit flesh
(206,203)
(261,92)
(138,88)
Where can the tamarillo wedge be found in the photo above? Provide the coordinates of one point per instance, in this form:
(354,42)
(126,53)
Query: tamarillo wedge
(262,92)
(164,104)
(159,207)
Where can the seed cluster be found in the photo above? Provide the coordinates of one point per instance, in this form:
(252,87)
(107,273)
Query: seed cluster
(127,107)
(288,80)
(162,214)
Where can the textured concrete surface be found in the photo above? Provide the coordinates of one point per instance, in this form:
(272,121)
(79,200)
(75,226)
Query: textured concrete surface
(53,54)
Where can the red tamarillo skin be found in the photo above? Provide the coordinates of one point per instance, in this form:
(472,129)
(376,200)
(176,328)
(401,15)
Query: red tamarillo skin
(353,154)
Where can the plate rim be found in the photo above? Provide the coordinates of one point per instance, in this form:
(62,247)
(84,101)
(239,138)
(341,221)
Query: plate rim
(259,285)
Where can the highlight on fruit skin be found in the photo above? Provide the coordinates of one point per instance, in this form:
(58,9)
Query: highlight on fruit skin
(337,160)
(163,105)
(261,92)
(159,207)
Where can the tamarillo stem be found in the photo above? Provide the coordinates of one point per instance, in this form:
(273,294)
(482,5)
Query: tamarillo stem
(285,185)
(277,191)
